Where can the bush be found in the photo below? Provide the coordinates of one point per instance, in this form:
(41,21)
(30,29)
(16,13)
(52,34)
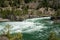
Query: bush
(5,13)
(7,32)
(18,12)
(53,36)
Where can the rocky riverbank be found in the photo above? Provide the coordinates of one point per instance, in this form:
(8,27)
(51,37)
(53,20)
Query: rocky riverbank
(3,38)
(1,19)
(18,14)
(56,19)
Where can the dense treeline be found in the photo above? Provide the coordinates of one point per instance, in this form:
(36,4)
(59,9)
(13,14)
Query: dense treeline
(17,3)
(6,3)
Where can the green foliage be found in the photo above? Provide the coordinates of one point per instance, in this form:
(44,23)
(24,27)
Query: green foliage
(45,3)
(17,36)
(25,10)
(27,1)
(18,12)
(52,36)
(57,14)
(7,31)
(14,4)
(3,3)
(17,3)
(5,13)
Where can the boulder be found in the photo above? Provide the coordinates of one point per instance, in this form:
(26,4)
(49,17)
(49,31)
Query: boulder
(3,38)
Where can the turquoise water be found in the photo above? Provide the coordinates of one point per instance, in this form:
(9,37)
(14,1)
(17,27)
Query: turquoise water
(34,29)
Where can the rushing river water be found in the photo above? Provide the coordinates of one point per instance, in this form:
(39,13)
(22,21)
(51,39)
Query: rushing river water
(35,28)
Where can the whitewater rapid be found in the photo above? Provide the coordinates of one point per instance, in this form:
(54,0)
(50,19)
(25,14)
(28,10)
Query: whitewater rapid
(33,29)
(27,26)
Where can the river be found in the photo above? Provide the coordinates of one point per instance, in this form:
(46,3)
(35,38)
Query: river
(34,29)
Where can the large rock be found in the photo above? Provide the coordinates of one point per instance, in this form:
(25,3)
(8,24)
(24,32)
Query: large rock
(55,18)
(3,38)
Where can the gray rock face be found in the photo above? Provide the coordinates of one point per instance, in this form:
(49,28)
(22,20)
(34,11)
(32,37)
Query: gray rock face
(3,38)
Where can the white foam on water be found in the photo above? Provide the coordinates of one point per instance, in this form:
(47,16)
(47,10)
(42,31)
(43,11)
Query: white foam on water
(37,28)
(34,19)
(20,26)
(1,27)
(27,26)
